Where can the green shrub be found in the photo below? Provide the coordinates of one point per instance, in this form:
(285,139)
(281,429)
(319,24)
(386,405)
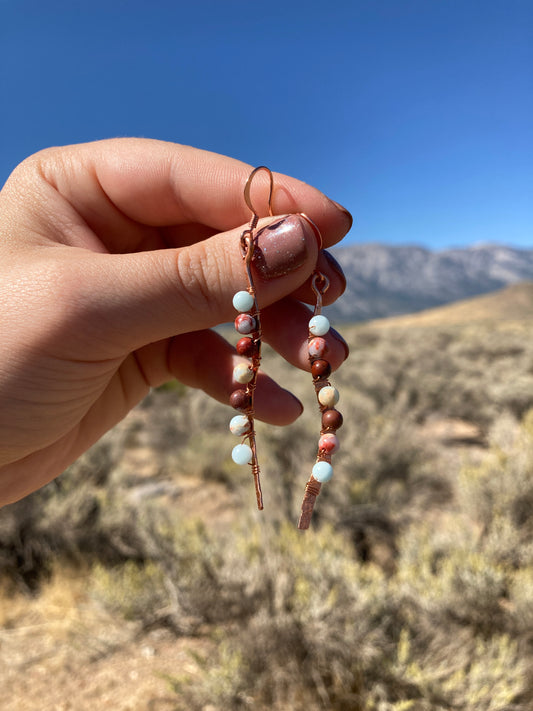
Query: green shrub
(325,632)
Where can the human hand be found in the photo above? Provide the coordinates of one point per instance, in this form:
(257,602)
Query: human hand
(116,258)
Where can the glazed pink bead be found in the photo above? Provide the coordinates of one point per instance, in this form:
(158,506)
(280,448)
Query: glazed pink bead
(317,347)
(244,323)
(328,443)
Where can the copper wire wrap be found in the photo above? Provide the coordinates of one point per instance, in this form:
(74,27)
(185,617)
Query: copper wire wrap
(248,238)
(312,490)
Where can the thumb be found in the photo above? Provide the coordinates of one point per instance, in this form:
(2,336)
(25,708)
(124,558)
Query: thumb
(136,299)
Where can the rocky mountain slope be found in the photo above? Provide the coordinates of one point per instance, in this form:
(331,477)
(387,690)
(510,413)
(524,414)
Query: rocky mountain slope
(389,280)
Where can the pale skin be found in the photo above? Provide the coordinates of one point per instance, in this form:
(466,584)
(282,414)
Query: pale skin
(116,260)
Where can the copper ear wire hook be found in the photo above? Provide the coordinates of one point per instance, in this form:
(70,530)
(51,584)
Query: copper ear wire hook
(314,226)
(247,196)
(247,241)
(319,284)
(255,214)
(319,281)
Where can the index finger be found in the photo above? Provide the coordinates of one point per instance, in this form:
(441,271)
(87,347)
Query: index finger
(156,183)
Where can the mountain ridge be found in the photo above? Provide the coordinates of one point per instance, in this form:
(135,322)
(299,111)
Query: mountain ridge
(384,280)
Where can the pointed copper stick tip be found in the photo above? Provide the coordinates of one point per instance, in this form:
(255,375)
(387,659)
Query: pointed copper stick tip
(258,492)
(312,490)
(257,480)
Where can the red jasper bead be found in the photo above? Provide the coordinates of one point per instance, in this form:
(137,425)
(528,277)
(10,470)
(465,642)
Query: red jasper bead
(320,369)
(331,419)
(240,400)
(245,347)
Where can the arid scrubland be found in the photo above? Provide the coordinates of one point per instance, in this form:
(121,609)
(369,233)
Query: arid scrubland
(413,591)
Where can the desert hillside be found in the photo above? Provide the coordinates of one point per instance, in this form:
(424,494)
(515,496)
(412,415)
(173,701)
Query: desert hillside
(144,578)
(512,305)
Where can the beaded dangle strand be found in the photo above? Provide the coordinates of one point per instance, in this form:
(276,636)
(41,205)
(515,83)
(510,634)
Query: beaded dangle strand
(248,325)
(327,397)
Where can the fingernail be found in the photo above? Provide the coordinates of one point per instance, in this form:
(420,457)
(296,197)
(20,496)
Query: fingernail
(282,246)
(334,265)
(345,212)
(337,336)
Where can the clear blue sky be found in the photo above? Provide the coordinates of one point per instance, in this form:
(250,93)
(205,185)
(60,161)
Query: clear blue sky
(415,114)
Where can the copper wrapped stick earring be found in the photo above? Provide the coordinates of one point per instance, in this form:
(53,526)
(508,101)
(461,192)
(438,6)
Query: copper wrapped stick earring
(327,397)
(248,325)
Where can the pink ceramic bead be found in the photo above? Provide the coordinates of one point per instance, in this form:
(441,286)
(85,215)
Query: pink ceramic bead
(317,347)
(328,443)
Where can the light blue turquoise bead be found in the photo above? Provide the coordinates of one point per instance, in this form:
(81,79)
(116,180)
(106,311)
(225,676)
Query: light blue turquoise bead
(322,471)
(318,325)
(243,301)
(242,454)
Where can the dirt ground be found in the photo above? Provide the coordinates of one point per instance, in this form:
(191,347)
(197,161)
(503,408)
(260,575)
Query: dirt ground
(61,652)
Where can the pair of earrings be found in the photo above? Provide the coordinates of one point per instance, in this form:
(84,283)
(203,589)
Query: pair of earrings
(248,326)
